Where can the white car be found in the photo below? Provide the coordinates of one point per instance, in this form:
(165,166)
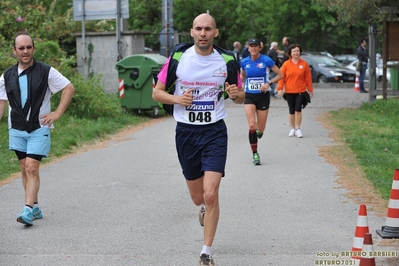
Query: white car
(379,70)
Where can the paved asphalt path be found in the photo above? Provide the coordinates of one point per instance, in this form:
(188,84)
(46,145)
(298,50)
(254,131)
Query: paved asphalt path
(126,203)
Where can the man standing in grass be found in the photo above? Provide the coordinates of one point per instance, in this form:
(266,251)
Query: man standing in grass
(363,57)
(27,87)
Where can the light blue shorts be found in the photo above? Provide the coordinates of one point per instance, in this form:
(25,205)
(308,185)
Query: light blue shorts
(37,142)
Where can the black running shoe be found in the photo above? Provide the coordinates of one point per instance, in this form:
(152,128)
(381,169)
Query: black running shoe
(206,260)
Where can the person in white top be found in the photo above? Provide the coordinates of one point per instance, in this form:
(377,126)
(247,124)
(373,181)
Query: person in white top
(201,134)
(27,87)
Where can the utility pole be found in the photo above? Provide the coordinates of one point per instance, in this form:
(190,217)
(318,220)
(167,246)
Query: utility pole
(83,32)
(167,28)
(118,29)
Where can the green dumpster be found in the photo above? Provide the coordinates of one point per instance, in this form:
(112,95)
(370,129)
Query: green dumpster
(394,78)
(135,75)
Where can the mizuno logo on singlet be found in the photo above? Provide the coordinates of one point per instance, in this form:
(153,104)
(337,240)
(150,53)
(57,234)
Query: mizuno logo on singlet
(201,106)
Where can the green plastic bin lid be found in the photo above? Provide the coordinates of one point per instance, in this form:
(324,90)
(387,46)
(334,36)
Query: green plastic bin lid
(155,60)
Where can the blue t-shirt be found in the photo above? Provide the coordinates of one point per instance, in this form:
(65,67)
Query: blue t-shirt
(256,72)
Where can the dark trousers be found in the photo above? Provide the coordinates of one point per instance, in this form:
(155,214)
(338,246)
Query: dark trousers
(362,75)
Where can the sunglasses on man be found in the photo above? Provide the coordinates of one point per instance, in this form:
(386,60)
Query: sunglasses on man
(22,48)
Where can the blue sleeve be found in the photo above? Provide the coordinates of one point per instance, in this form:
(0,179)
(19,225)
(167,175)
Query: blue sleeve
(242,63)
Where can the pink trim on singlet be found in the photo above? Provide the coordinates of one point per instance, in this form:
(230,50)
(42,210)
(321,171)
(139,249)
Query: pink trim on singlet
(164,72)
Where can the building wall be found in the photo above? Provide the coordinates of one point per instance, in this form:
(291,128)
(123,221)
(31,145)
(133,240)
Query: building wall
(105,54)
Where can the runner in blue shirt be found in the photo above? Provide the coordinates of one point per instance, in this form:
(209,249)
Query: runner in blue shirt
(255,72)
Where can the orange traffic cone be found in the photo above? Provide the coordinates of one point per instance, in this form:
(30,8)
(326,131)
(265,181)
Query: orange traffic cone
(362,227)
(367,258)
(357,85)
(391,228)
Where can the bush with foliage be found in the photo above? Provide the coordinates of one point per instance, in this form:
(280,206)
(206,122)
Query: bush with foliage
(90,101)
(50,24)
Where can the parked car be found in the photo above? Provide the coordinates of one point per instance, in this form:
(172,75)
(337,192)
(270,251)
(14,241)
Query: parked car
(326,69)
(345,59)
(378,70)
(318,53)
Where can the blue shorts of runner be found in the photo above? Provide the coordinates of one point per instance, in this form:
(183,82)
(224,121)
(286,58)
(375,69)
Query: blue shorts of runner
(201,148)
(294,101)
(37,142)
(260,100)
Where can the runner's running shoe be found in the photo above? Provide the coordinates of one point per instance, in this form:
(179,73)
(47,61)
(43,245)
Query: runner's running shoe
(206,260)
(256,159)
(259,134)
(298,133)
(26,216)
(37,213)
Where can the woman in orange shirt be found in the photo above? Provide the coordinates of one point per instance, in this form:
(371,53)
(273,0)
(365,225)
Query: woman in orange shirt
(297,85)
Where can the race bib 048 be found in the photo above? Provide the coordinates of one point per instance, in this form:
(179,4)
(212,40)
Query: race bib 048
(201,112)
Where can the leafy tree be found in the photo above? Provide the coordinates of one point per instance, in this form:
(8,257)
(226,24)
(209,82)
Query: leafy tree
(146,16)
(45,20)
(311,25)
(332,25)
(371,12)
(306,22)
(20,16)
(354,17)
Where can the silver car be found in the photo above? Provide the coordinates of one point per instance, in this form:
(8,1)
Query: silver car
(345,59)
(379,70)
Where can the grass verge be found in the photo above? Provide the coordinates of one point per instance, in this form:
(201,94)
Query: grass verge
(371,133)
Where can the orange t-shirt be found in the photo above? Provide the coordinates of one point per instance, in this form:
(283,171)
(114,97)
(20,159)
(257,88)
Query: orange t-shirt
(296,77)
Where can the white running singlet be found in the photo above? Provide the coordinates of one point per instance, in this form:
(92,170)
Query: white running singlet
(206,75)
